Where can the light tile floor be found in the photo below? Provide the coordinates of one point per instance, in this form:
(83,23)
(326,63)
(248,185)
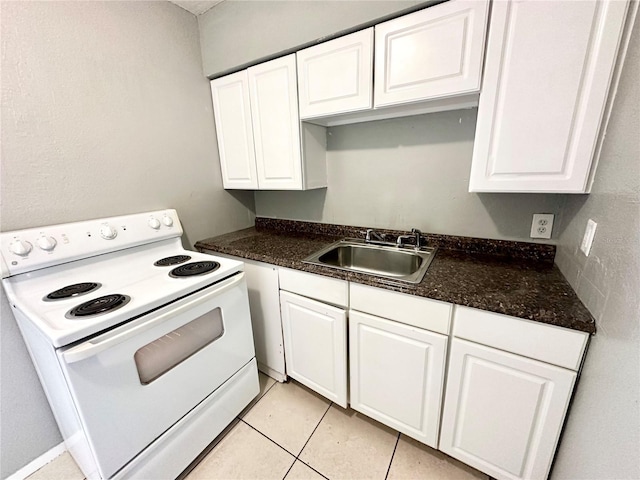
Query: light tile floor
(292,433)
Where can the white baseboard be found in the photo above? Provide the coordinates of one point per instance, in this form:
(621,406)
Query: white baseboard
(38,463)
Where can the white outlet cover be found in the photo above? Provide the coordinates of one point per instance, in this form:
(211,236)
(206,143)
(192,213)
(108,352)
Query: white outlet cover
(589,234)
(542,225)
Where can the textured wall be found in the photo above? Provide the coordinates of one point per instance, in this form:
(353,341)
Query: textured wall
(409,172)
(602,436)
(238,32)
(105,111)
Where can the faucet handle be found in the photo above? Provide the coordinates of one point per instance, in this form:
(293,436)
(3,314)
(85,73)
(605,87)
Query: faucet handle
(418,235)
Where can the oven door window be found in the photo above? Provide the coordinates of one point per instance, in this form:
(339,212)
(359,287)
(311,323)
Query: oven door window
(158,357)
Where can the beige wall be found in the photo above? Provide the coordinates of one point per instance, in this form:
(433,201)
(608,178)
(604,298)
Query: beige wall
(236,33)
(602,436)
(105,111)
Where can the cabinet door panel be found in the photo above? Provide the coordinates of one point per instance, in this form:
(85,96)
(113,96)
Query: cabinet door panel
(503,413)
(264,300)
(315,336)
(436,52)
(232,113)
(396,374)
(547,73)
(276,125)
(336,76)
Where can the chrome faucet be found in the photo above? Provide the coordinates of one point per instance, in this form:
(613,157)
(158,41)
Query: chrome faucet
(415,234)
(377,237)
(418,235)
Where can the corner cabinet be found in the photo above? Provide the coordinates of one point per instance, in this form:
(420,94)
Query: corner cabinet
(434,53)
(506,398)
(261,141)
(548,68)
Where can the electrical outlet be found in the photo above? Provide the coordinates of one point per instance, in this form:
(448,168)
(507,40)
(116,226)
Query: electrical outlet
(589,234)
(542,225)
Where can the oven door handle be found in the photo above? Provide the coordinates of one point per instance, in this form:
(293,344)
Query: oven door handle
(103,342)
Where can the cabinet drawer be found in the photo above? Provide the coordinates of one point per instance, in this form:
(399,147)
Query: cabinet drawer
(547,343)
(330,290)
(409,309)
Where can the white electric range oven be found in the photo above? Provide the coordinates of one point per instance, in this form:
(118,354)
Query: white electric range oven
(144,349)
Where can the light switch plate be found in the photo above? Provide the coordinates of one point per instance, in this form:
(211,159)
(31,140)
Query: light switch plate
(542,225)
(589,234)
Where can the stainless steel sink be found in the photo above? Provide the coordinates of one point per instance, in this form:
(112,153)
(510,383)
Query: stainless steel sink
(403,264)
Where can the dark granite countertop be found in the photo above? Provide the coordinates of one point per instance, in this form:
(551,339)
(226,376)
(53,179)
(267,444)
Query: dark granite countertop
(512,278)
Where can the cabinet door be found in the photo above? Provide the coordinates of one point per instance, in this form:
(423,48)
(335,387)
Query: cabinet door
(547,73)
(264,301)
(276,124)
(396,375)
(503,413)
(336,76)
(433,53)
(315,339)
(232,112)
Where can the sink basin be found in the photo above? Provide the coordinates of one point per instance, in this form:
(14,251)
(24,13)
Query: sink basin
(403,264)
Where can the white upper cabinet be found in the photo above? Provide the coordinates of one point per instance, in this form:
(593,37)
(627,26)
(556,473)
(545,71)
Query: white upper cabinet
(430,54)
(336,76)
(547,73)
(232,112)
(276,125)
(261,141)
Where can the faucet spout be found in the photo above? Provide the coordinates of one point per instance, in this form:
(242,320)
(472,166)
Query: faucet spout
(374,237)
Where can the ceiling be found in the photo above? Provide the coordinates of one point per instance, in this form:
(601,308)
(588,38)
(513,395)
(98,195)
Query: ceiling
(196,7)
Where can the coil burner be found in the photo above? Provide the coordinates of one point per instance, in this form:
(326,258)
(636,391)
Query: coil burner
(194,268)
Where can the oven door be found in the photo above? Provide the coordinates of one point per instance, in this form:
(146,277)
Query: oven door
(134,382)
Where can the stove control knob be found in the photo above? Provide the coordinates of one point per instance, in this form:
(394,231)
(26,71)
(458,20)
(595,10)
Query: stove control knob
(20,247)
(46,243)
(108,232)
(167,220)
(154,223)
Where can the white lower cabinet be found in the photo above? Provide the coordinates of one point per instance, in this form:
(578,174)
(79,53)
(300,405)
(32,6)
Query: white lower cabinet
(262,283)
(315,336)
(503,413)
(508,380)
(264,303)
(396,374)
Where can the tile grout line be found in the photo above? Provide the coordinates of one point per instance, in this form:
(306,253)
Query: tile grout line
(392,455)
(296,457)
(271,440)
(243,413)
(292,464)
(305,463)
(305,443)
(314,430)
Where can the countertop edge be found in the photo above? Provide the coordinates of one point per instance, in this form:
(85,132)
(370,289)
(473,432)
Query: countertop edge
(216,245)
